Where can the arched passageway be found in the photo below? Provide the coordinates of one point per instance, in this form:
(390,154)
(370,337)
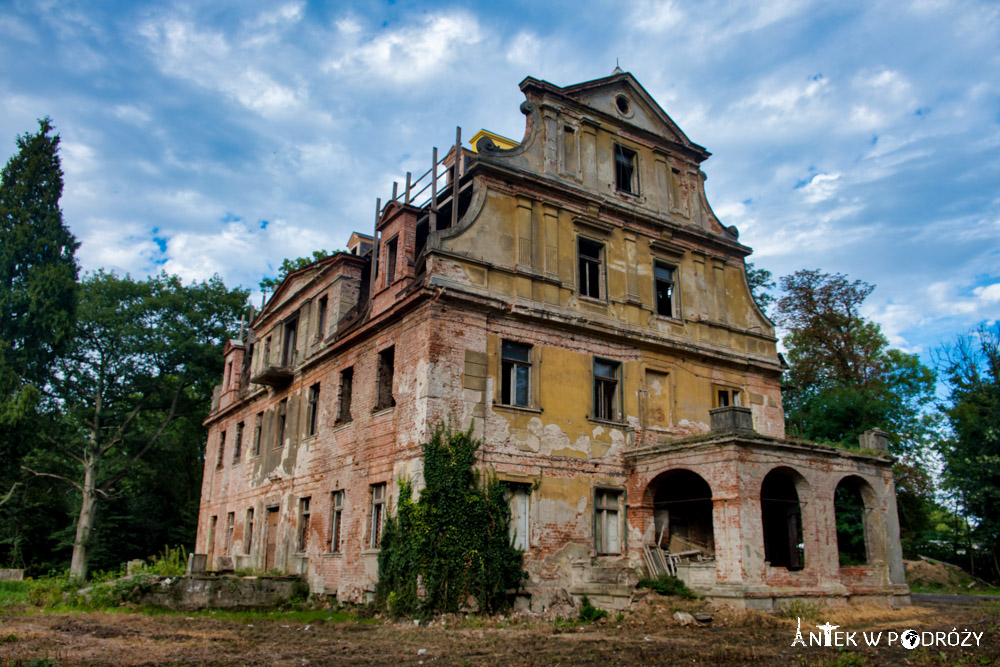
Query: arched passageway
(852,520)
(781,518)
(682,513)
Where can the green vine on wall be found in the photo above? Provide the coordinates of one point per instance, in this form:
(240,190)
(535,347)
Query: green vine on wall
(453,543)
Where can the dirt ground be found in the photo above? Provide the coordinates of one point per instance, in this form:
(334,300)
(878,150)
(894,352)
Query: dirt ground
(648,634)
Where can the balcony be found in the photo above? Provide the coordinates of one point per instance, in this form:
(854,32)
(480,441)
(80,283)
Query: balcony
(273,376)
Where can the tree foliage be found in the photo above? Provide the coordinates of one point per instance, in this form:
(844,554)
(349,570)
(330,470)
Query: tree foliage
(843,378)
(290,265)
(139,374)
(971,369)
(451,544)
(760,283)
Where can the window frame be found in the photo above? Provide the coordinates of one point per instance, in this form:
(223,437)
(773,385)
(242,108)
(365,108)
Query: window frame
(377,519)
(599,262)
(258,432)
(312,410)
(302,538)
(344,398)
(509,368)
(391,258)
(248,532)
(290,342)
(238,443)
(734,396)
(631,156)
(511,489)
(672,282)
(230,529)
(599,381)
(221,452)
(282,423)
(336,520)
(384,384)
(601,510)
(321,309)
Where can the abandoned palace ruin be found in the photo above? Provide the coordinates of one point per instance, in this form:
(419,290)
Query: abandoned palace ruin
(574,298)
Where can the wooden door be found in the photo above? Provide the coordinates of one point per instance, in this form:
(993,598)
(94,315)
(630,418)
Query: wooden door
(272,538)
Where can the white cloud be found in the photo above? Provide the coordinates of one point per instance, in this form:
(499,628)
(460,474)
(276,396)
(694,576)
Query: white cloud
(123,248)
(988,293)
(524,49)
(287,13)
(885,81)
(821,187)
(413,52)
(784,99)
(655,15)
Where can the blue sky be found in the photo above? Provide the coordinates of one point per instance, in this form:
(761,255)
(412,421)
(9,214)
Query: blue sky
(221,137)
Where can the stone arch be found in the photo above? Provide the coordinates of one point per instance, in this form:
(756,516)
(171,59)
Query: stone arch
(682,512)
(781,493)
(854,501)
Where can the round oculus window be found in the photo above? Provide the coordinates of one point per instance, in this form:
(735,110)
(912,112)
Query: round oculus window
(623,104)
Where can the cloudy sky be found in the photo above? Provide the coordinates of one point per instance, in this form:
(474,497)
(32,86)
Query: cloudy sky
(223,136)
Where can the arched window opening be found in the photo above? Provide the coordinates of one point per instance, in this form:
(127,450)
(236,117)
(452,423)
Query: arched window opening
(781,515)
(849,506)
(682,514)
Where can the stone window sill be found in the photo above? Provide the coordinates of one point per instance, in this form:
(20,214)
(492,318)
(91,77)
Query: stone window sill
(517,408)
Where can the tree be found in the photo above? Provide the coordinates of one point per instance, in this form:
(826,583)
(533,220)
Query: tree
(760,282)
(454,541)
(38,275)
(971,369)
(290,265)
(843,378)
(145,356)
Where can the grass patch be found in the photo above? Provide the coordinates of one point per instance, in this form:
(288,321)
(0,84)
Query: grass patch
(807,611)
(668,585)
(13,593)
(589,613)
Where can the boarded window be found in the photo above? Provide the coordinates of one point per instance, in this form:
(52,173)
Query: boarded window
(519,495)
(657,399)
(515,383)
(626,175)
(386,369)
(606,378)
(312,419)
(303,524)
(607,521)
(248,532)
(663,277)
(336,515)
(378,515)
(346,390)
(590,258)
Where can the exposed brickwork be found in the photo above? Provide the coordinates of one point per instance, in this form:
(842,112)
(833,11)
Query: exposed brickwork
(610,395)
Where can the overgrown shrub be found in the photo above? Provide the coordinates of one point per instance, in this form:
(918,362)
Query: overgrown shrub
(453,543)
(668,585)
(171,563)
(589,612)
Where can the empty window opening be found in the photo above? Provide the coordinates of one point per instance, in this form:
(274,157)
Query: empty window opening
(289,351)
(386,369)
(312,418)
(625,172)
(248,532)
(519,495)
(515,383)
(781,516)
(303,541)
(336,515)
(849,506)
(624,106)
(390,261)
(267,352)
(282,420)
(378,515)
(682,514)
(212,523)
(607,521)
(238,444)
(321,317)
(258,427)
(663,276)
(222,449)
(346,389)
(606,394)
(590,258)
(230,524)
(229,374)
(726,397)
